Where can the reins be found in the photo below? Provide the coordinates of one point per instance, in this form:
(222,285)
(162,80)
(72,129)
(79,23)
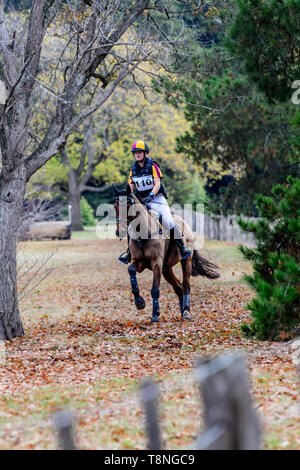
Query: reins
(159,224)
(125,223)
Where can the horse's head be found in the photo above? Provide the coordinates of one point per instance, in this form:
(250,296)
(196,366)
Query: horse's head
(128,207)
(123,200)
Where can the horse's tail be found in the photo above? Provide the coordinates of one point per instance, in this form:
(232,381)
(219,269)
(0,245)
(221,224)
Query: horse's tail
(203,267)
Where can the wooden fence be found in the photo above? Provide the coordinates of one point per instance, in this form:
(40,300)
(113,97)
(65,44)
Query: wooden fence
(219,227)
(230,419)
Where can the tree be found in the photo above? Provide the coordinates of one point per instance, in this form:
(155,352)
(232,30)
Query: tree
(235,133)
(276,279)
(80,173)
(265,37)
(246,136)
(98,153)
(89,50)
(87,213)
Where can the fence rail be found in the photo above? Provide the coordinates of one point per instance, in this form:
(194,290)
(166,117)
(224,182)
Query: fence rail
(230,419)
(220,227)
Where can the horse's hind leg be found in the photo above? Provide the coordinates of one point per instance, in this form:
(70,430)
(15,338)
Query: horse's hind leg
(139,301)
(175,283)
(186,284)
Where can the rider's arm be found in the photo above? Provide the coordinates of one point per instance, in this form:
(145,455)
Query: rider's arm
(157,175)
(131,185)
(156,186)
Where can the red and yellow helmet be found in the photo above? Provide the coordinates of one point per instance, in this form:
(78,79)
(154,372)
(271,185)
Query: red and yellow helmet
(139,145)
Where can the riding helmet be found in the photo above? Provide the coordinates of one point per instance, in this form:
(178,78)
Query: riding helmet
(140,145)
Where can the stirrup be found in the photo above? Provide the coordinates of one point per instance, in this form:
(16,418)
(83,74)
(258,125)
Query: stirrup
(125,259)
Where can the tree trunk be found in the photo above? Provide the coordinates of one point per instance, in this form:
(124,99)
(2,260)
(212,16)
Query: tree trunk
(74,199)
(12,189)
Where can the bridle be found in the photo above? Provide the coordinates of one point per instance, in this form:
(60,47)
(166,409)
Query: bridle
(122,221)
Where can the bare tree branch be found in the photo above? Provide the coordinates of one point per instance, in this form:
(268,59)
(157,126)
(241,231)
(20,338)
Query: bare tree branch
(102,189)
(58,134)
(33,44)
(10,66)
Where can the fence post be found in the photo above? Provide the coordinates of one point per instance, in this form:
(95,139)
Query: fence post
(149,397)
(223,228)
(230,421)
(233,228)
(210,228)
(64,426)
(218,230)
(206,228)
(223,235)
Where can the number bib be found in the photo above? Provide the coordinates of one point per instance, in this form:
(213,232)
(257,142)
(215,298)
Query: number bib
(143,183)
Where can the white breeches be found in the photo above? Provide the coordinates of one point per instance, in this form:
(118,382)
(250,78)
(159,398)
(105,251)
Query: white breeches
(161,206)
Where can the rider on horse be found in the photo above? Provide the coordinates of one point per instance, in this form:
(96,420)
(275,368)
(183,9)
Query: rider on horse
(145,178)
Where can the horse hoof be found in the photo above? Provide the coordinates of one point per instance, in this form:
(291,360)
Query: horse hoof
(155,319)
(186,316)
(140,303)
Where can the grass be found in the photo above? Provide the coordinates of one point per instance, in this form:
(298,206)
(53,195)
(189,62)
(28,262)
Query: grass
(95,233)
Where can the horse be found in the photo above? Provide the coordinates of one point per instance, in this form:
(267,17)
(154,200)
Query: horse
(154,251)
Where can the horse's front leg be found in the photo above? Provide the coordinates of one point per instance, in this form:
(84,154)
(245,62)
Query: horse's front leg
(139,301)
(157,269)
(186,284)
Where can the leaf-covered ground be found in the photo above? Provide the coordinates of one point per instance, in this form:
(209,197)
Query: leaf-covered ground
(86,347)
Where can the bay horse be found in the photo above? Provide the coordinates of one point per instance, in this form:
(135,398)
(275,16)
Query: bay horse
(149,250)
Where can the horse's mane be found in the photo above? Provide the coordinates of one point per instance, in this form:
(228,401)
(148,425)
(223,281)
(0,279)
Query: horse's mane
(137,201)
(140,207)
(144,214)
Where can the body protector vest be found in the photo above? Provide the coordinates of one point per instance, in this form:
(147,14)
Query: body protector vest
(143,179)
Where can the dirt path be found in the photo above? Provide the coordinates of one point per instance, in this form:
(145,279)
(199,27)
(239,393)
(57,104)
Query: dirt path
(86,346)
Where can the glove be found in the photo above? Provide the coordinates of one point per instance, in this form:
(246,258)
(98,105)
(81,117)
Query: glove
(149,198)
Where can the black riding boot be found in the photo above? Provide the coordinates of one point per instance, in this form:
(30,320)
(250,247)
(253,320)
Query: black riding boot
(176,235)
(126,256)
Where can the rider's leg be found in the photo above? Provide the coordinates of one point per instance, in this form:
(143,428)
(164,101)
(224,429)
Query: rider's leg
(176,235)
(161,205)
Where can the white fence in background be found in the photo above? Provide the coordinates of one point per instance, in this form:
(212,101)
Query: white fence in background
(219,227)
(224,228)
